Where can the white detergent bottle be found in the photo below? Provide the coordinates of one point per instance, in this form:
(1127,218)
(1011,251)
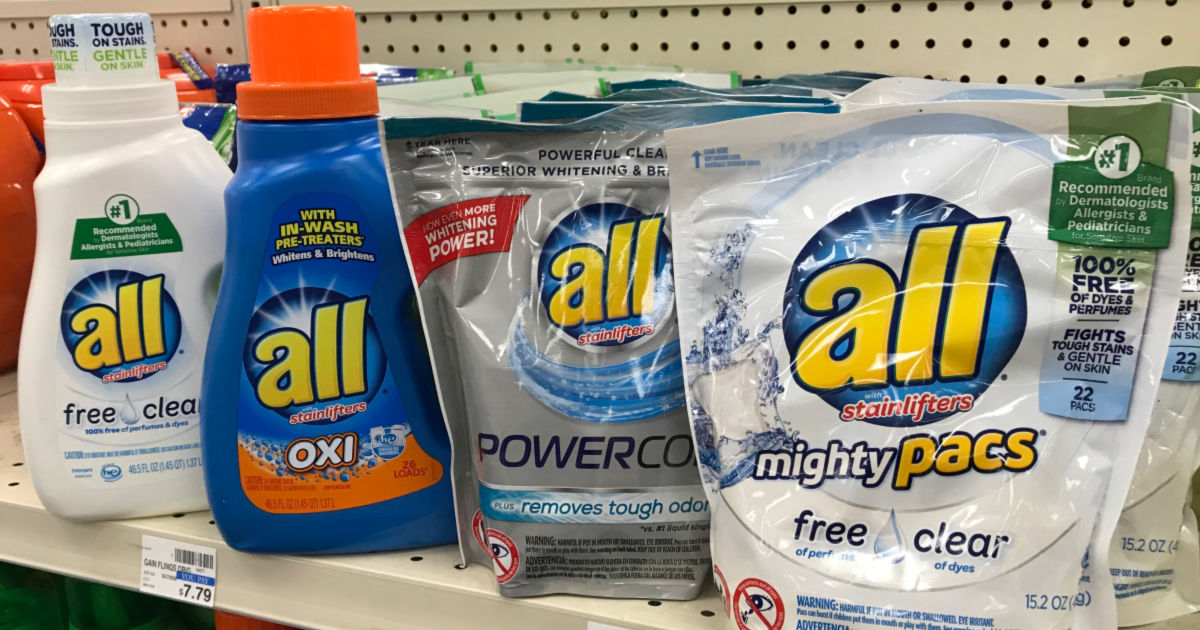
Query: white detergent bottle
(130,234)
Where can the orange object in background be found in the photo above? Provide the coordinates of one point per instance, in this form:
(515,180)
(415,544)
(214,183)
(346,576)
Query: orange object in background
(21,85)
(19,163)
(230,621)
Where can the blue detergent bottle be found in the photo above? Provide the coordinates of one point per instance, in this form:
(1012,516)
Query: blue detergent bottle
(321,427)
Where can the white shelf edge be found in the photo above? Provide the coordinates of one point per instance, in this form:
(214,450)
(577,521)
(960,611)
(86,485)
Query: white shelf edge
(383,590)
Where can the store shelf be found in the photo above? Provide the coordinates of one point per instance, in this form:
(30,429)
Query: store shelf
(408,590)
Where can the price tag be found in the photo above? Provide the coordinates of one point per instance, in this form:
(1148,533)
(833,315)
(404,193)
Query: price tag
(179,571)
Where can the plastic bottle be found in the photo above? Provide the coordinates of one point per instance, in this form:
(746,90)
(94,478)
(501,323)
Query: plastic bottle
(127,262)
(321,426)
(19,164)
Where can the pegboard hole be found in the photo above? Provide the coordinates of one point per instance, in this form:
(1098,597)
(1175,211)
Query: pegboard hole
(204,22)
(970,6)
(604,46)
(438,17)
(212,522)
(1124,41)
(964,79)
(466,17)
(1172,3)
(491,16)
(366,48)
(548,48)
(1083,42)
(758,45)
(758,10)
(664,47)
(861,8)
(518,15)
(825,8)
(929,76)
(1043,42)
(1087,4)
(654,602)
(208,50)
(663,13)
(726,11)
(1007,6)
(177,515)
(1002,79)
(225,21)
(228,50)
(388,18)
(466,48)
(858,43)
(412,17)
(1004,42)
(442,48)
(574,15)
(1039,79)
(1167,40)
(824,44)
(895,7)
(932,6)
(13,484)
(576,47)
(603,14)
(162,24)
(520,48)
(791,9)
(791,44)
(391,48)
(726,45)
(1128,3)
(494,48)
(695,12)
(1046,4)
(695,45)
(967,43)
(707,613)
(35,52)
(632,46)
(1079,78)
(930,43)
(895,43)
(416,48)
(633,13)
(417,558)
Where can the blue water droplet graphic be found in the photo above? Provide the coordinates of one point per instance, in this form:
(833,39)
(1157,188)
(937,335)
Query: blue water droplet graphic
(889,544)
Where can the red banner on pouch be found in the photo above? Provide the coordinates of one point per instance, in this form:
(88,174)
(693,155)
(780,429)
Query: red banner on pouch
(466,228)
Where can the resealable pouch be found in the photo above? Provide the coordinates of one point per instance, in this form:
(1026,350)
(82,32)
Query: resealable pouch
(923,345)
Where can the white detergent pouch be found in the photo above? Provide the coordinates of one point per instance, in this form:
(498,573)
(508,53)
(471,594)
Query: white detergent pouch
(1155,553)
(1173,77)
(664,90)
(407,109)
(431,91)
(922,348)
(497,67)
(505,105)
(544,279)
(895,90)
(565,111)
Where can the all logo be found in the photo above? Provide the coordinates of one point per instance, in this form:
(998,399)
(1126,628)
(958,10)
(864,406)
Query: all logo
(757,606)
(121,326)
(311,346)
(902,336)
(604,275)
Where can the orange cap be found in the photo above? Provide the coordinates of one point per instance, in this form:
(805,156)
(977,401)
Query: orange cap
(229,621)
(304,65)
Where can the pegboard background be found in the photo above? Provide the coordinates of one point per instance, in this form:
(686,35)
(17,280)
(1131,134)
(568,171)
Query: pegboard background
(1033,41)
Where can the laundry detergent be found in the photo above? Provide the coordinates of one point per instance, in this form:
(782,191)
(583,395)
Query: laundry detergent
(922,348)
(544,272)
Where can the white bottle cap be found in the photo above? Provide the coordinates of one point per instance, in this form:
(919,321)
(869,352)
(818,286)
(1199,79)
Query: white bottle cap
(105,69)
(103,49)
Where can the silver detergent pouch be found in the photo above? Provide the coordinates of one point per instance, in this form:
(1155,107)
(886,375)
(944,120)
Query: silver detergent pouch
(923,345)
(544,274)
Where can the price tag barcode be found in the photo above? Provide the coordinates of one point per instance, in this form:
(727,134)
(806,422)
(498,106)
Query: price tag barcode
(179,571)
